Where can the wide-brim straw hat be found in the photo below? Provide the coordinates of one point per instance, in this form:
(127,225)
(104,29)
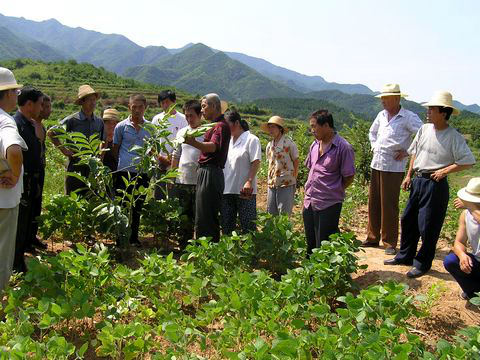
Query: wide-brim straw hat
(83,91)
(111,114)
(444,99)
(471,192)
(277,120)
(391,90)
(7,80)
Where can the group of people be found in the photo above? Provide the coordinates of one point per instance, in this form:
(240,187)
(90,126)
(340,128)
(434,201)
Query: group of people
(217,172)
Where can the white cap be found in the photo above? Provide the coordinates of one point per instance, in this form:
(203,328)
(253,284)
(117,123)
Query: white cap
(7,80)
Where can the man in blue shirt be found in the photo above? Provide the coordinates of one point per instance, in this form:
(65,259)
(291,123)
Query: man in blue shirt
(128,133)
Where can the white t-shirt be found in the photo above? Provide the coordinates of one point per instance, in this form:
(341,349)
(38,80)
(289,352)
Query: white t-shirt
(10,198)
(435,149)
(176,121)
(188,160)
(241,154)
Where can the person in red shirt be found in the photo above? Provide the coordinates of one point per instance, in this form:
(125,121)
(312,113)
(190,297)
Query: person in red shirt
(210,181)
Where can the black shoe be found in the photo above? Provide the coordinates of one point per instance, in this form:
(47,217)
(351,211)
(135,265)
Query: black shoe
(369,244)
(38,244)
(414,273)
(392,261)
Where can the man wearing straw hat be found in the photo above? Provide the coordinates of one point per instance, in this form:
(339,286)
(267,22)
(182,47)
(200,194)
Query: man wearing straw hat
(436,151)
(390,136)
(84,122)
(11,173)
(462,265)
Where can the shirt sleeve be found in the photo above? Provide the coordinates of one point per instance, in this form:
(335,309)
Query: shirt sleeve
(118,134)
(412,150)
(373,132)
(254,150)
(348,161)
(177,151)
(10,136)
(218,135)
(414,124)
(461,152)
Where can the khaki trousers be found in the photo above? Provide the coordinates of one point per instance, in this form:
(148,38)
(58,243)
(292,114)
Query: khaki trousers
(383,207)
(8,232)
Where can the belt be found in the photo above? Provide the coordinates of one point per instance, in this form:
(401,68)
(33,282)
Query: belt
(425,175)
(215,166)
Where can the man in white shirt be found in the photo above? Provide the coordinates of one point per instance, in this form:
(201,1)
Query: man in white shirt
(436,151)
(390,136)
(176,121)
(11,173)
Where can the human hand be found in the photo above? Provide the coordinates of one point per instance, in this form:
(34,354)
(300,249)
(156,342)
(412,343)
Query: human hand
(438,175)
(8,180)
(189,140)
(406,183)
(466,263)
(400,155)
(247,189)
(459,204)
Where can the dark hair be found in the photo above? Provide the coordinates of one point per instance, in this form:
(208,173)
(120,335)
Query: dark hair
(193,105)
(233,116)
(323,117)
(446,110)
(28,94)
(167,94)
(46,98)
(138,97)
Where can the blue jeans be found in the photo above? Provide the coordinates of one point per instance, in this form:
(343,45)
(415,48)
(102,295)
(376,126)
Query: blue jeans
(470,283)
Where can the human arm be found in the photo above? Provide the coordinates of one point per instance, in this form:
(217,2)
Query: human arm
(347,181)
(373,131)
(474,208)
(58,144)
(14,158)
(459,247)
(441,173)
(408,177)
(248,186)
(205,147)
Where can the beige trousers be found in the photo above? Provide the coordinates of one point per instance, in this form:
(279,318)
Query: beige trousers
(8,233)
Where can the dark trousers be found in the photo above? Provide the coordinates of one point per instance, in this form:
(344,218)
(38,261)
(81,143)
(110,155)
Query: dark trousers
(320,224)
(233,207)
(142,180)
(37,205)
(186,196)
(25,220)
(72,183)
(470,283)
(383,207)
(210,186)
(423,217)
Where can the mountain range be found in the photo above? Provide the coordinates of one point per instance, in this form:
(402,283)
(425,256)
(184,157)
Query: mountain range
(196,68)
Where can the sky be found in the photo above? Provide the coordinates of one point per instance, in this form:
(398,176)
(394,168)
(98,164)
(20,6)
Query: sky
(423,45)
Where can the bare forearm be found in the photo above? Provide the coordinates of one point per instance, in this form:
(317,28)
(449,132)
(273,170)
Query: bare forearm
(174,163)
(205,147)
(255,165)
(295,167)
(410,165)
(347,181)
(15,159)
(455,168)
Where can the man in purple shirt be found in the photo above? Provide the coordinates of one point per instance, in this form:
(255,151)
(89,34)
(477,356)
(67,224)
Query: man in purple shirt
(331,162)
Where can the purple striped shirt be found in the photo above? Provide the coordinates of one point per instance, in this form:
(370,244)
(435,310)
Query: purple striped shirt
(324,184)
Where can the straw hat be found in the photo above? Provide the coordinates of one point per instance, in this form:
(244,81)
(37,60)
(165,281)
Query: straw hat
(7,80)
(111,114)
(391,90)
(471,192)
(442,98)
(84,90)
(277,120)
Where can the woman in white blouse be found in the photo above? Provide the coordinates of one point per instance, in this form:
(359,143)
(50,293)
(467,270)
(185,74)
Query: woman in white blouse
(239,197)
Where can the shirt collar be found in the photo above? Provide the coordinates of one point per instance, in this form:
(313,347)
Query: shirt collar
(335,140)
(23,118)
(401,113)
(241,139)
(82,116)
(129,121)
